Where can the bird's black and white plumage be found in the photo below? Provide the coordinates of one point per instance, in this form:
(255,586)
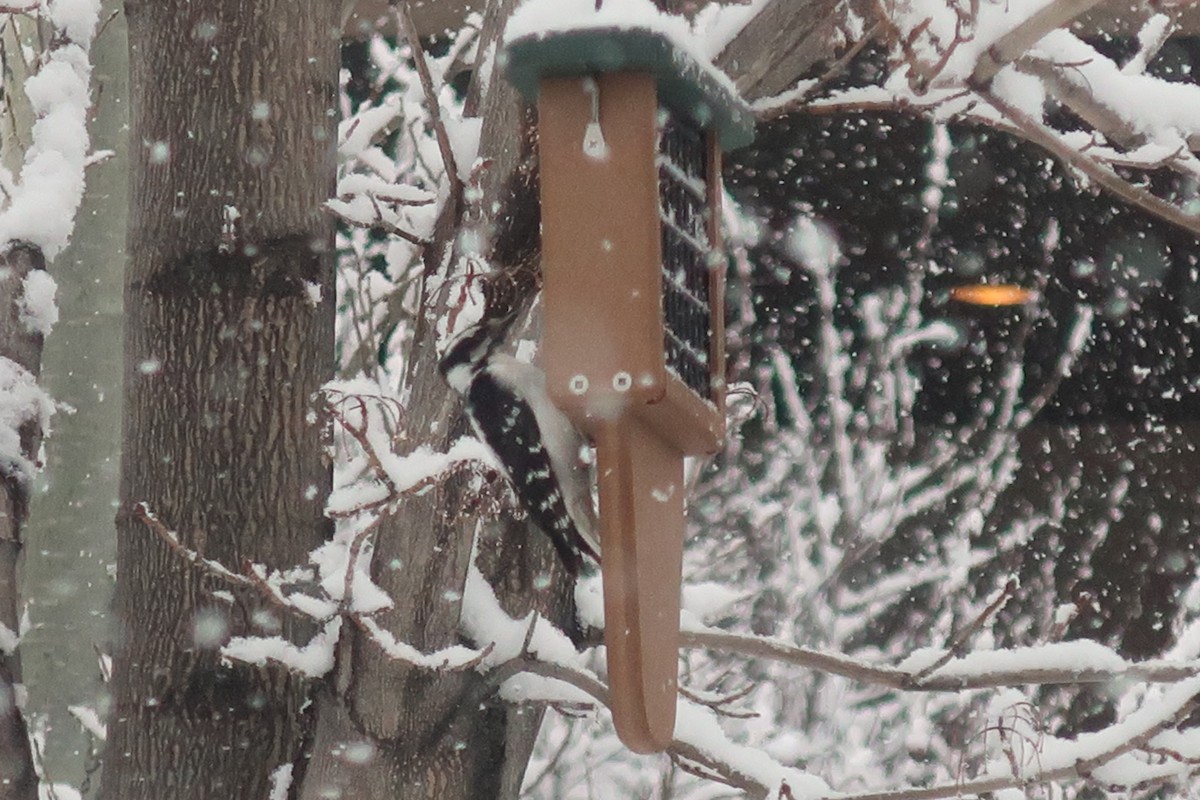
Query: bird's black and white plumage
(535,444)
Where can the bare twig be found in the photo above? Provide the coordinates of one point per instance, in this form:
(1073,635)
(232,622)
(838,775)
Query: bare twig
(144,515)
(960,640)
(404,20)
(1039,134)
(759,647)
(1139,737)
(359,434)
(782,104)
(720,704)
(385,226)
(1081,768)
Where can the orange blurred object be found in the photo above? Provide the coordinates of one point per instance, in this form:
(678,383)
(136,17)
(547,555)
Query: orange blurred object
(983,294)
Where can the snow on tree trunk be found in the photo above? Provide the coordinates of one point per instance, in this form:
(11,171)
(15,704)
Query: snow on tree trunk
(46,69)
(23,412)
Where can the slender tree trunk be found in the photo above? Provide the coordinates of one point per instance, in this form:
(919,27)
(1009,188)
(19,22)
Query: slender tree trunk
(24,406)
(20,365)
(444,735)
(70,534)
(228,337)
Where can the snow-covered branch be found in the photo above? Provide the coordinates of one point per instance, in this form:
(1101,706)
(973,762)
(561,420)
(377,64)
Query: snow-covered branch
(1009,65)
(1080,662)
(40,204)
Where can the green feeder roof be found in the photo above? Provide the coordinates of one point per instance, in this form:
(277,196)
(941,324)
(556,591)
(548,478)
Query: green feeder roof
(685,85)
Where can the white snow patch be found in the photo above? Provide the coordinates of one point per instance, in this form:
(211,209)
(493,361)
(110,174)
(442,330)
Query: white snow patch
(313,659)
(77,19)
(9,640)
(1065,657)
(89,719)
(486,622)
(38,311)
(709,600)
(42,205)
(814,244)
(453,657)
(589,601)
(58,791)
(281,782)
(21,401)
(699,727)
(544,17)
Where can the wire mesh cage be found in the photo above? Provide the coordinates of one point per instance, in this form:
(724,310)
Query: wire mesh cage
(688,253)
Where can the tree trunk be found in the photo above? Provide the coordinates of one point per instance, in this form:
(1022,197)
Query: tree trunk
(228,336)
(70,533)
(20,365)
(444,735)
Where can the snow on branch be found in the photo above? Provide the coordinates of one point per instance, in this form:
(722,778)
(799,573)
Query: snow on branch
(22,402)
(1054,663)
(1007,64)
(375,476)
(40,205)
(531,661)
(335,586)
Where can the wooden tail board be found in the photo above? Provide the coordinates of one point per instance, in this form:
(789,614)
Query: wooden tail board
(641,529)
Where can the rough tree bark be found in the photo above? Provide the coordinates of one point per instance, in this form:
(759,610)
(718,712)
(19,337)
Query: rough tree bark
(228,337)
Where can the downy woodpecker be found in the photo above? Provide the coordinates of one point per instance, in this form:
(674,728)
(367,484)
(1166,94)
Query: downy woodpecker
(535,444)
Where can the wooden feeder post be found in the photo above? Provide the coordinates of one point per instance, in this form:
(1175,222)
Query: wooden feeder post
(630,132)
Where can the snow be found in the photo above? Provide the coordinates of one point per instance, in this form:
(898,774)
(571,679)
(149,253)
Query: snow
(1161,109)
(464,135)
(453,657)
(356,134)
(1078,656)
(424,463)
(21,401)
(38,311)
(814,244)
(281,782)
(546,17)
(42,205)
(487,623)
(708,600)
(77,19)
(1102,747)
(90,720)
(698,727)
(362,596)
(313,659)
(938,25)
(58,791)
(589,601)
(718,24)
(9,640)
(541,17)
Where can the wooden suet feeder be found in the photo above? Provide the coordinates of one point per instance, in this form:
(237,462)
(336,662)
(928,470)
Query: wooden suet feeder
(630,133)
